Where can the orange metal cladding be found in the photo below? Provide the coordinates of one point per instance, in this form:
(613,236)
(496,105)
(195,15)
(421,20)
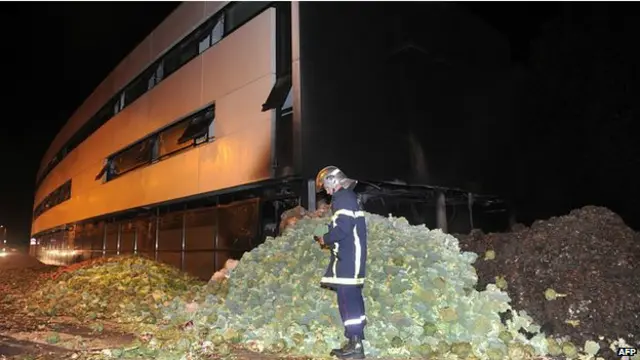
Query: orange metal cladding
(180,22)
(237,74)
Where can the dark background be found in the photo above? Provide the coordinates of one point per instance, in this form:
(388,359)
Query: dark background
(576,65)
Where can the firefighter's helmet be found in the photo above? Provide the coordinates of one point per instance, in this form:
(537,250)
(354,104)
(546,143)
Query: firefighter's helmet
(330,177)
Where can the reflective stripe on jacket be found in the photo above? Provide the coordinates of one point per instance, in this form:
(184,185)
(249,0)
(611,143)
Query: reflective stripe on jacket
(347,239)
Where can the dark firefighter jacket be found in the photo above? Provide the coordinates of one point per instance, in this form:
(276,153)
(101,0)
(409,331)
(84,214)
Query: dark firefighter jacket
(347,239)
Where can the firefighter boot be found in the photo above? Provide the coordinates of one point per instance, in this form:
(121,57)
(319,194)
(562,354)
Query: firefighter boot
(352,350)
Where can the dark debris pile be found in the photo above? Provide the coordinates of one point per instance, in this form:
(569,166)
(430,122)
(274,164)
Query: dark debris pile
(590,255)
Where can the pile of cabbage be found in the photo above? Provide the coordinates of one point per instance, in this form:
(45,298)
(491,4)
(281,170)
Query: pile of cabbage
(419,296)
(125,289)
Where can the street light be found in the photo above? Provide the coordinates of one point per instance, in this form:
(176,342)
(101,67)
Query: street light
(4,238)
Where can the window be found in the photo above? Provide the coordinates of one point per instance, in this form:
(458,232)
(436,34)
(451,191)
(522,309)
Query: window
(206,35)
(168,139)
(241,12)
(138,87)
(119,105)
(198,125)
(182,53)
(102,171)
(186,133)
(155,76)
(217,33)
(57,196)
(212,34)
(278,94)
(133,157)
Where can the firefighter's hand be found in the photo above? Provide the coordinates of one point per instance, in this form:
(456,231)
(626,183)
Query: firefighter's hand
(319,240)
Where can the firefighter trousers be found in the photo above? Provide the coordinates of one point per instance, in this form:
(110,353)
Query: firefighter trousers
(352,312)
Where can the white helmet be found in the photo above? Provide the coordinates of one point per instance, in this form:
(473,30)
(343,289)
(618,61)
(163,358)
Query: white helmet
(330,177)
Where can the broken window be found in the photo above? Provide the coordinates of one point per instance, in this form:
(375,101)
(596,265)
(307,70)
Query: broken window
(217,33)
(279,93)
(168,139)
(119,105)
(156,75)
(204,44)
(213,33)
(104,170)
(198,125)
(133,157)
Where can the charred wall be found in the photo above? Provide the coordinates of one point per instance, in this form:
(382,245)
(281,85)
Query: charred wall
(415,92)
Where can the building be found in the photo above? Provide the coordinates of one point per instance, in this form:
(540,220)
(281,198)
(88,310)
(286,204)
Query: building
(217,122)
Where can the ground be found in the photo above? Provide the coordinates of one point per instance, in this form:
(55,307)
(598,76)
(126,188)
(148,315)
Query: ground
(27,336)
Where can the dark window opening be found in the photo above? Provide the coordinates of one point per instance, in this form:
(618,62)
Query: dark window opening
(188,52)
(184,52)
(278,94)
(61,194)
(198,126)
(133,157)
(171,61)
(138,87)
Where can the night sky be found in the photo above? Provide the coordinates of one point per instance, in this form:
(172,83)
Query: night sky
(577,66)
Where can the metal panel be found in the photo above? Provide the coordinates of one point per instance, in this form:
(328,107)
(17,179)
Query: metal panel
(295,31)
(241,109)
(63,172)
(211,7)
(111,239)
(241,58)
(132,65)
(179,23)
(200,235)
(127,237)
(177,96)
(91,105)
(145,235)
(237,159)
(130,125)
(170,238)
(171,178)
(99,145)
(85,180)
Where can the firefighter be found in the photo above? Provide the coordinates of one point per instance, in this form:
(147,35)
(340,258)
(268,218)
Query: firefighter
(347,240)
